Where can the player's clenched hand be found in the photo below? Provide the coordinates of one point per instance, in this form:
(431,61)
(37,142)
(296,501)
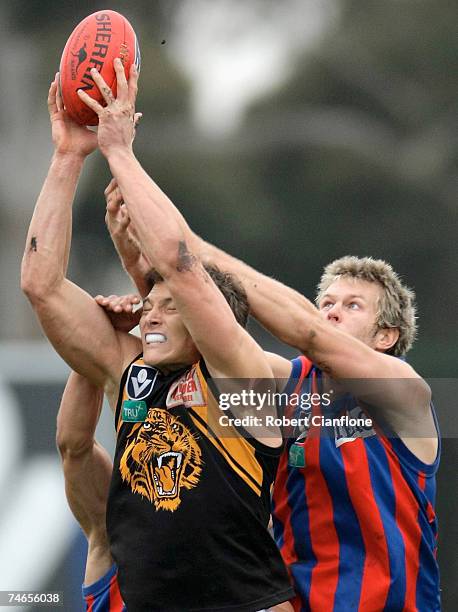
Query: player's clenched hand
(117,120)
(123,311)
(68,137)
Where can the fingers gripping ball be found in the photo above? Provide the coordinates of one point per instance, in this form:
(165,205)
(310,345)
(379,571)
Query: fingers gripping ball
(95,43)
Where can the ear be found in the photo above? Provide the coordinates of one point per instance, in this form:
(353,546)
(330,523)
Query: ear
(385,338)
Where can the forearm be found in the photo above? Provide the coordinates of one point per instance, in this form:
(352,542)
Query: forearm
(280,309)
(86,465)
(138,273)
(68,242)
(162,229)
(48,239)
(87,481)
(160,226)
(136,267)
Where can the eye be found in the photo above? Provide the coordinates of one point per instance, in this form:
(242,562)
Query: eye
(354,306)
(146,425)
(326,305)
(171,309)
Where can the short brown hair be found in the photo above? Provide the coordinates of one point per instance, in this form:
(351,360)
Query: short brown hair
(229,286)
(396,306)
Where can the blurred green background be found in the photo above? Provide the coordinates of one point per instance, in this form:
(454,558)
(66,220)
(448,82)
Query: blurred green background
(288,133)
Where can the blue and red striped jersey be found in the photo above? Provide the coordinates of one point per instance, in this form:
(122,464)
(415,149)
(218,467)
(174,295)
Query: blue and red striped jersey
(104,595)
(356,524)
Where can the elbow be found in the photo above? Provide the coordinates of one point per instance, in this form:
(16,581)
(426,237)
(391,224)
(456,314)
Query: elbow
(35,293)
(36,286)
(28,283)
(29,286)
(176,258)
(165,268)
(71,446)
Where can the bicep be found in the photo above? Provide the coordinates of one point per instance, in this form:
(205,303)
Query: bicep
(81,333)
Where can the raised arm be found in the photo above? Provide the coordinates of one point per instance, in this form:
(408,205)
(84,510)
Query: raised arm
(167,242)
(87,468)
(124,239)
(170,245)
(76,326)
(279,308)
(136,265)
(296,321)
(390,387)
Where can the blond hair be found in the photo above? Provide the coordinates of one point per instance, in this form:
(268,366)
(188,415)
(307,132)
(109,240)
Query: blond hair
(396,305)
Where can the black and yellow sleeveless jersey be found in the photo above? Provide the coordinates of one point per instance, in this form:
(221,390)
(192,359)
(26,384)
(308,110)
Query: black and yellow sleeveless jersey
(189,505)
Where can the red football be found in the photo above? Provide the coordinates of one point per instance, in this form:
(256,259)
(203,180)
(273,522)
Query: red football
(95,43)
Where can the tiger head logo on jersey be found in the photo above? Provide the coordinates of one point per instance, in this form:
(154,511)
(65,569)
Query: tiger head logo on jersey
(162,458)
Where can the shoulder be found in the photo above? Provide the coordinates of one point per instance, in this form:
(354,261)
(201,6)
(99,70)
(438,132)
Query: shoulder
(130,347)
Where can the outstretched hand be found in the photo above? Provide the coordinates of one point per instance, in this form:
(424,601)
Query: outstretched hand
(121,310)
(117,120)
(68,137)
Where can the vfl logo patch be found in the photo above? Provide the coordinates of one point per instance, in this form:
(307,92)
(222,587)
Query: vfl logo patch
(140,381)
(186,391)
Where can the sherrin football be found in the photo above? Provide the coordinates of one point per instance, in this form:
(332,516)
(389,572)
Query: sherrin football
(95,42)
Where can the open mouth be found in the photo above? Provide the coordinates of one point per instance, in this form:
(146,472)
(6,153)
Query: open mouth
(166,473)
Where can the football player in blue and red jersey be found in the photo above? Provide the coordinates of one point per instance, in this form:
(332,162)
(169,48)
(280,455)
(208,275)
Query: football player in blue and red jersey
(353,505)
(353,508)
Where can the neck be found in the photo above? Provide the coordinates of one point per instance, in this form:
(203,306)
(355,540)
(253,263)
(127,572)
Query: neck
(169,368)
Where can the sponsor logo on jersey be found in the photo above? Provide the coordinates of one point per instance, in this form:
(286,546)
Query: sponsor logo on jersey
(349,433)
(186,391)
(134,411)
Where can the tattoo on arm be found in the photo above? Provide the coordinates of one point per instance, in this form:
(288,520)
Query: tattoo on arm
(186,260)
(33,244)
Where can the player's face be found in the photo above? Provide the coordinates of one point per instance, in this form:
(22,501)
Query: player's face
(351,305)
(167,343)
